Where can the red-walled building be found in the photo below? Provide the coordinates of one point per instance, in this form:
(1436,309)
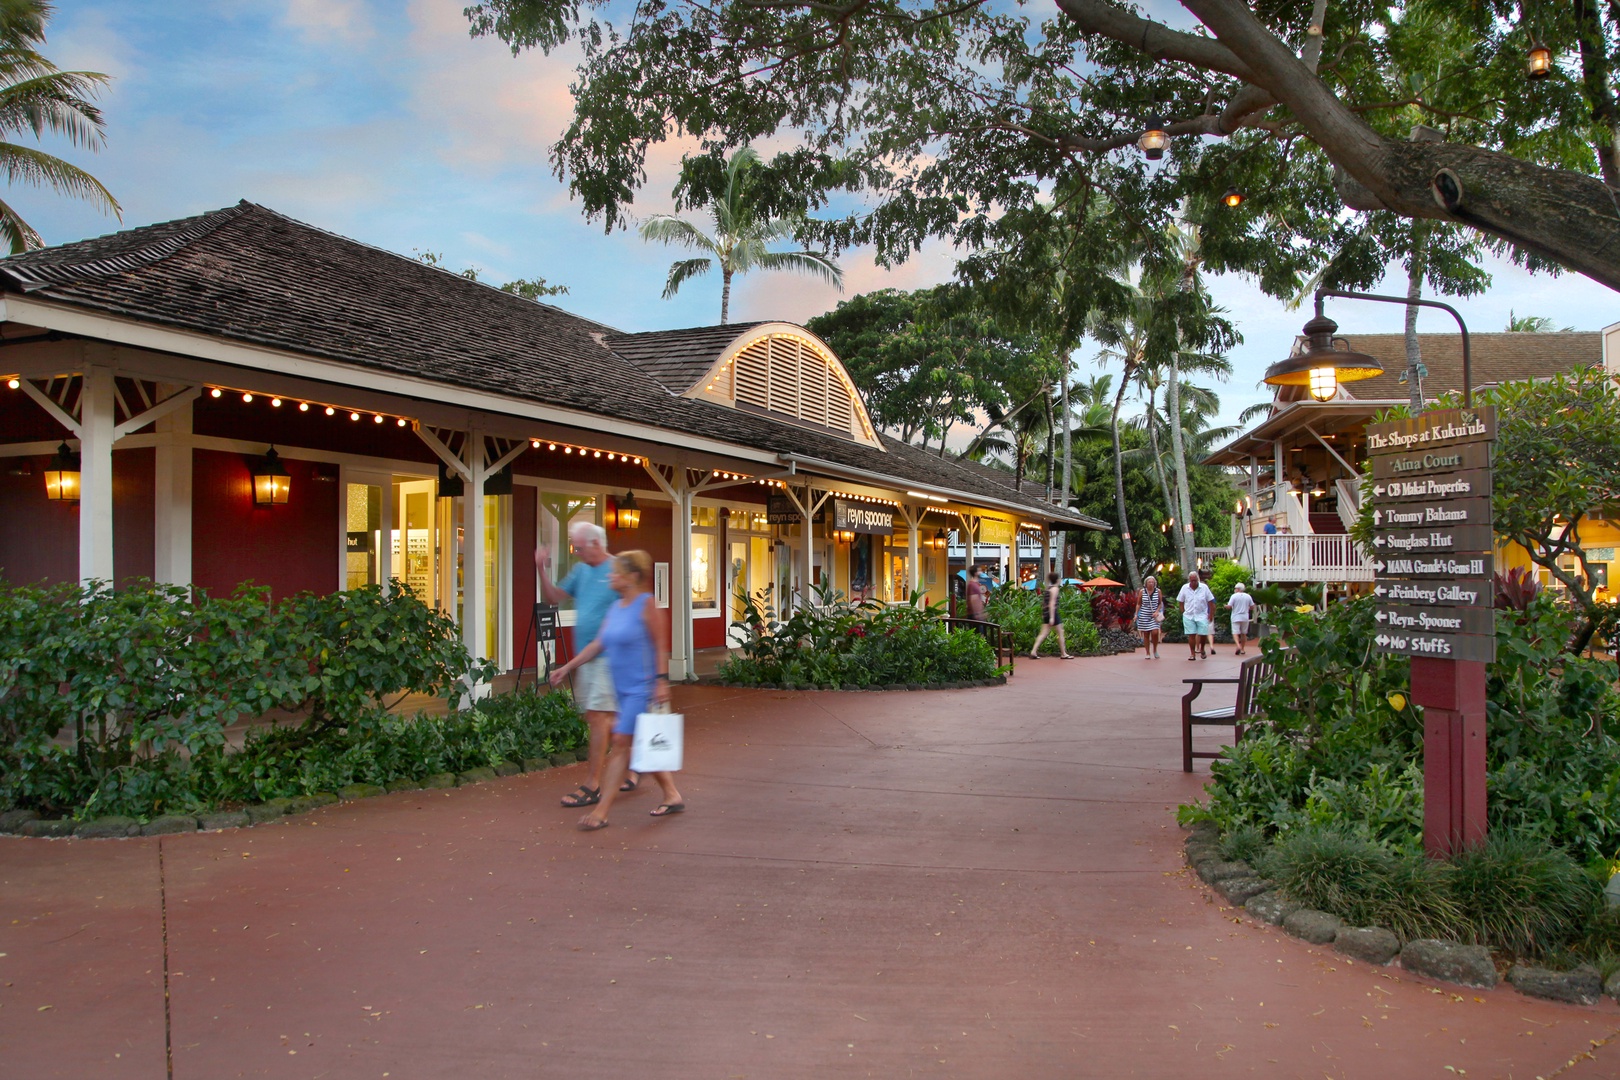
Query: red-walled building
(168,361)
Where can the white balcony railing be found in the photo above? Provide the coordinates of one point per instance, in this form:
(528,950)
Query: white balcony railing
(1314,557)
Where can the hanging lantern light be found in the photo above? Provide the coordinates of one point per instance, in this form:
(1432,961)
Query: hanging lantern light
(1154,139)
(940,540)
(1232,199)
(1324,363)
(62,476)
(271,484)
(629,513)
(1539,63)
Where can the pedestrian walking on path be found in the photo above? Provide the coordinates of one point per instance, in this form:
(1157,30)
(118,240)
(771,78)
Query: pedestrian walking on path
(1242,608)
(635,641)
(1050,620)
(1197,616)
(1150,618)
(587,586)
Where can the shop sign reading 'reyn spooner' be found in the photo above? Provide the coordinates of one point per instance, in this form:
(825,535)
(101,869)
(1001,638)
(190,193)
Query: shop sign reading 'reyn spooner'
(1432,538)
(863,517)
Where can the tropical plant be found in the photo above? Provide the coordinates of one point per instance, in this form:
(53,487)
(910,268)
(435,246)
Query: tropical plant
(741,238)
(1532,324)
(37,97)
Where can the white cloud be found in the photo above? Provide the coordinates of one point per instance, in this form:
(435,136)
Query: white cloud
(327,21)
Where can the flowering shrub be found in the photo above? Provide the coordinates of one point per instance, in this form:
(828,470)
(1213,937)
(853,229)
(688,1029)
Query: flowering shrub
(833,642)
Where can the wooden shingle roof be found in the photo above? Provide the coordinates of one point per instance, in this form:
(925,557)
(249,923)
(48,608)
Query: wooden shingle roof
(1497,358)
(250,275)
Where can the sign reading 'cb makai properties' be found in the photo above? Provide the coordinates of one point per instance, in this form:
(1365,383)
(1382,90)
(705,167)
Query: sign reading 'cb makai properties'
(1433,539)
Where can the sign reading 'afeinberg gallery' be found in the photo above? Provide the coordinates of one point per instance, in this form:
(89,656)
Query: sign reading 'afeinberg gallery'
(1433,542)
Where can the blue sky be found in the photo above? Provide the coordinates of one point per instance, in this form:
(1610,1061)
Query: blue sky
(383,121)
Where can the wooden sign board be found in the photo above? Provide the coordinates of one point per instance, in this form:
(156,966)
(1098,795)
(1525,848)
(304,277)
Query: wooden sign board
(1427,462)
(1474,539)
(1426,620)
(1432,514)
(1463,485)
(1437,646)
(1429,430)
(1462,592)
(1433,566)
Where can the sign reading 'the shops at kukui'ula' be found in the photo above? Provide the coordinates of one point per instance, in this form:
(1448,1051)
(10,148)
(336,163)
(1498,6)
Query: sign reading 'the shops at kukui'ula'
(1433,542)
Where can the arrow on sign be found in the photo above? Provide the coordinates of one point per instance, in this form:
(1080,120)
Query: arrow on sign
(1382,639)
(1379,590)
(1378,566)
(1378,489)
(1381,617)
(1378,541)
(1378,517)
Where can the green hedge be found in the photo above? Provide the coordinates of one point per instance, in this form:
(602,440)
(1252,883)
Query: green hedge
(107,696)
(836,643)
(1018,611)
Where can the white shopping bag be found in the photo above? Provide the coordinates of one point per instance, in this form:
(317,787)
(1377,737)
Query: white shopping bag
(657,743)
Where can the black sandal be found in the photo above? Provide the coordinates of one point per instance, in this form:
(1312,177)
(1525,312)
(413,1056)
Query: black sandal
(630,785)
(585,796)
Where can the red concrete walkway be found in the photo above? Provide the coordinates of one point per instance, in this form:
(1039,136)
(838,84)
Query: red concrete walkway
(980,883)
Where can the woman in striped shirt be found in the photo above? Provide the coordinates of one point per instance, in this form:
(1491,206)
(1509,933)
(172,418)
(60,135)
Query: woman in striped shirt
(1150,618)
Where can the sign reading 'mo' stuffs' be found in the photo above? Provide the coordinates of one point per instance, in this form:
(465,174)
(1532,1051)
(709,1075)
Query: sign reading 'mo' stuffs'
(1433,541)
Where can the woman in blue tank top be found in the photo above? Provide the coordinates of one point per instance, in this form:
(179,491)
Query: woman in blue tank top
(635,639)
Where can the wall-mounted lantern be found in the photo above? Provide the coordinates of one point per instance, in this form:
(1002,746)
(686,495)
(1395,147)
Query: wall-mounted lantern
(628,514)
(940,540)
(271,484)
(62,476)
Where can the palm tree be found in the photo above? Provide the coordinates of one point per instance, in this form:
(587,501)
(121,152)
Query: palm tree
(740,241)
(37,97)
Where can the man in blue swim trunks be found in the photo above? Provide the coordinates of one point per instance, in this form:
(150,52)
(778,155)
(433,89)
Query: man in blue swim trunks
(1197,616)
(587,586)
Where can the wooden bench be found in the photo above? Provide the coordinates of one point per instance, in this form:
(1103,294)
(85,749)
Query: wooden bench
(1254,674)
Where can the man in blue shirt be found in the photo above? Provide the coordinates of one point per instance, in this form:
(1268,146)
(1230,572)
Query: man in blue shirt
(587,586)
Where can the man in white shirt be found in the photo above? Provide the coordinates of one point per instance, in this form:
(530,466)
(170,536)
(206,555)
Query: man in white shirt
(1197,613)
(1242,607)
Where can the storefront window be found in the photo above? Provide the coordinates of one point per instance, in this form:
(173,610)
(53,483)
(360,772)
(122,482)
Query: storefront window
(362,535)
(558,512)
(705,595)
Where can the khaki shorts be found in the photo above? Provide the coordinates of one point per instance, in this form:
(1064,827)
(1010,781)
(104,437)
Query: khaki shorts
(593,687)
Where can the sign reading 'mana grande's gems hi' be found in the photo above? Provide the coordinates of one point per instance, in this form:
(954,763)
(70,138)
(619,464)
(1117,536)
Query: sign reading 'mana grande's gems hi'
(1432,538)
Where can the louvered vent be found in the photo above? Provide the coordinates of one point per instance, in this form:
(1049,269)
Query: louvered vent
(789,376)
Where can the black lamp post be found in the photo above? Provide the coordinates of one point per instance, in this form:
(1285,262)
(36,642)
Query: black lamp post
(1467,354)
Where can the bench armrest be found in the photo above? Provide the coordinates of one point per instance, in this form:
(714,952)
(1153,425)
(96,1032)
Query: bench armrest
(1206,682)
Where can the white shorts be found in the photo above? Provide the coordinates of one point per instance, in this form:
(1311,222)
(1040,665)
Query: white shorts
(593,687)
(1240,626)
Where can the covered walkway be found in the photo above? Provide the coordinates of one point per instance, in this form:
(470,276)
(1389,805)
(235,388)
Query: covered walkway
(978,883)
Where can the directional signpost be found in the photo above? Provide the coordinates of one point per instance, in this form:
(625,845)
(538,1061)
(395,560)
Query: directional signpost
(1433,557)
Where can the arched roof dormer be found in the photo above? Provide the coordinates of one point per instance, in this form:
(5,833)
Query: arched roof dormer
(784,371)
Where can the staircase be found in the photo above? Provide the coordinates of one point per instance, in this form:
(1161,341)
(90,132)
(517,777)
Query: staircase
(1326,523)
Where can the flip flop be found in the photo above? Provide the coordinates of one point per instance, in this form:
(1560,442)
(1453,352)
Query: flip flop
(666,809)
(585,796)
(590,824)
(630,785)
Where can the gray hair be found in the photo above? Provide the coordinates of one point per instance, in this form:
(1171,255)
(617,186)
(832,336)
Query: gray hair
(1238,587)
(581,532)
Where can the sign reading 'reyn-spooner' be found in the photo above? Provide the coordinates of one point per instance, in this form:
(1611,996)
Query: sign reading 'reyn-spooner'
(1432,541)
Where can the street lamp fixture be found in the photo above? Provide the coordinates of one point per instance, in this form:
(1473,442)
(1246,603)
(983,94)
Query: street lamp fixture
(1539,65)
(62,476)
(1154,139)
(1232,199)
(1325,362)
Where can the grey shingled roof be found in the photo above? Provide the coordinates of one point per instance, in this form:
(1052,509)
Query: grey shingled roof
(678,358)
(249,274)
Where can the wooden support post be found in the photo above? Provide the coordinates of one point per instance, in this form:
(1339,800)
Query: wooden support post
(1452,693)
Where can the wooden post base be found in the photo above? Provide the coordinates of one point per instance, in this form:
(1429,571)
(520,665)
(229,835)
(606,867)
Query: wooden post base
(1452,693)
